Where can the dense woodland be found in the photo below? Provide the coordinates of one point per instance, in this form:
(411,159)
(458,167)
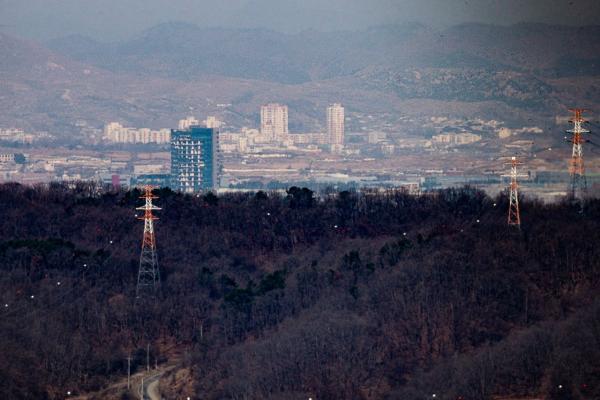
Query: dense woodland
(350,295)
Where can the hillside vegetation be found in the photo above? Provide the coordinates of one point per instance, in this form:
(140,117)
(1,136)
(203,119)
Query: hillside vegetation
(367,295)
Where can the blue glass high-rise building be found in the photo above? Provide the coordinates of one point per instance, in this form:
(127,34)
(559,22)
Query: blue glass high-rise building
(195,159)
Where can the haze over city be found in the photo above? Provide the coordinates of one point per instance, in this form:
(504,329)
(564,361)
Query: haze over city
(335,199)
(114,19)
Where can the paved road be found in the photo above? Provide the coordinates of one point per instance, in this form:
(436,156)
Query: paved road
(151,387)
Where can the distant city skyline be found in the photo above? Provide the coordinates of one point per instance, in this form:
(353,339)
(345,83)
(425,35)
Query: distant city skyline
(111,20)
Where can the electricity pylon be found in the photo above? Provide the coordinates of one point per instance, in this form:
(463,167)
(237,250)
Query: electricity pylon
(578,187)
(514,213)
(148,274)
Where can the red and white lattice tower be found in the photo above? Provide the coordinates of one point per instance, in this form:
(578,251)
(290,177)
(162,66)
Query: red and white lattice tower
(148,274)
(576,167)
(514,213)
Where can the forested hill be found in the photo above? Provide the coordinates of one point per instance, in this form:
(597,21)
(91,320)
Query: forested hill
(345,296)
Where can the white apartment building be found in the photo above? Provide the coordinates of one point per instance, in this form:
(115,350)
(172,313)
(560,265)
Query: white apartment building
(212,122)
(274,121)
(376,137)
(187,122)
(337,148)
(141,169)
(388,149)
(335,126)
(116,133)
(111,129)
(17,135)
(308,138)
(455,139)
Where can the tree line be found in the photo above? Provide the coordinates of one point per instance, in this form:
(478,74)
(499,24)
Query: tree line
(352,294)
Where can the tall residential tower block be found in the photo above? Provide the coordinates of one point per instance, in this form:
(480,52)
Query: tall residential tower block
(335,127)
(195,164)
(274,121)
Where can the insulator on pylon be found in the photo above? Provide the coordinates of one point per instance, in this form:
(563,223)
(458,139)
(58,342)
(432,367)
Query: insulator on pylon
(148,273)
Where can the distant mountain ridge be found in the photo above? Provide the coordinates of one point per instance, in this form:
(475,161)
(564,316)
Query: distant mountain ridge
(504,73)
(186,51)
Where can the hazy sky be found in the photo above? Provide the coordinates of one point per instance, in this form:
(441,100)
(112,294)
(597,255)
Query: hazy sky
(119,19)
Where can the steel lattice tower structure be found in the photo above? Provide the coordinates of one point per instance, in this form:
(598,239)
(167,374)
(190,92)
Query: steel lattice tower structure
(514,213)
(148,274)
(576,167)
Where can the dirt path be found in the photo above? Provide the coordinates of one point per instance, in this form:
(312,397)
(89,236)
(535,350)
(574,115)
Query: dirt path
(151,391)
